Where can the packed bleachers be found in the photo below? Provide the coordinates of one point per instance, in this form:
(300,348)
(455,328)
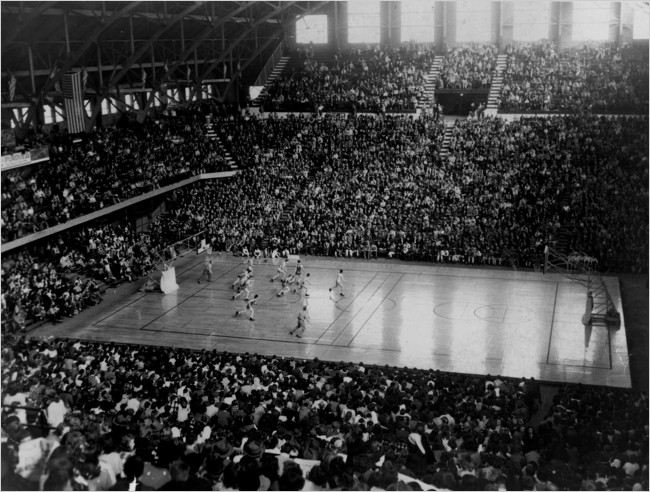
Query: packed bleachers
(216,421)
(524,181)
(64,276)
(121,417)
(494,201)
(595,78)
(372,79)
(337,185)
(108,166)
(468,67)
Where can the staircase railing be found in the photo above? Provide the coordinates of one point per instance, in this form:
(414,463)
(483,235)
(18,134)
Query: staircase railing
(270,64)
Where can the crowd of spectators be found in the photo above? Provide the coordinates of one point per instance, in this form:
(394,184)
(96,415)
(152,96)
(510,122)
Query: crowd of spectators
(375,79)
(63,277)
(468,67)
(596,78)
(505,191)
(347,186)
(340,180)
(102,416)
(107,166)
(528,180)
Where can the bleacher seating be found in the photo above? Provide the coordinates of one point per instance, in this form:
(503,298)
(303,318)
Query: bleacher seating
(594,78)
(245,421)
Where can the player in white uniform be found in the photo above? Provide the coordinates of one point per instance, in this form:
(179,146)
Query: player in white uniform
(257,255)
(249,308)
(245,287)
(303,319)
(286,287)
(242,276)
(282,271)
(303,285)
(340,281)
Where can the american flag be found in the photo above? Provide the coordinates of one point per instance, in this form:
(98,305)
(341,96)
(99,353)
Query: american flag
(73,101)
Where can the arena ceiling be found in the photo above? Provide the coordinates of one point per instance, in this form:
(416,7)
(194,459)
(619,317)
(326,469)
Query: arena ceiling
(132,40)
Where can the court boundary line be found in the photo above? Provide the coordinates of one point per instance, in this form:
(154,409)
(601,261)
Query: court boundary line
(144,327)
(375,310)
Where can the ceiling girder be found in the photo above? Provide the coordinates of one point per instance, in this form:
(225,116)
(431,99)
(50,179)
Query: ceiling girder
(147,46)
(70,61)
(268,42)
(243,36)
(32,15)
(201,37)
(156,17)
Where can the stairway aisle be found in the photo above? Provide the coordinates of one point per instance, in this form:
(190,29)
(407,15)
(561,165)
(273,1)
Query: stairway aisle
(212,135)
(427,99)
(496,86)
(449,128)
(277,70)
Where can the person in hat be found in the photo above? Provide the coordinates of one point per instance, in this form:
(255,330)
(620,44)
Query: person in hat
(254,449)
(222,450)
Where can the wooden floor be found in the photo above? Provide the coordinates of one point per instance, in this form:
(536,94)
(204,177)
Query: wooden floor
(460,319)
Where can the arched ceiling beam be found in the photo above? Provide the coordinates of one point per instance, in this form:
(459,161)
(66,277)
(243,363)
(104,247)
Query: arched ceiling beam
(150,42)
(70,61)
(200,38)
(151,16)
(197,41)
(235,43)
(32,16)
(270,40)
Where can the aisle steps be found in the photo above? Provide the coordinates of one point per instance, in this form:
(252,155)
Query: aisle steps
(496,86)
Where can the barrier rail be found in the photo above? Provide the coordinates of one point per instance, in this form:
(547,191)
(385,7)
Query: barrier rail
(269,65)
(6,247)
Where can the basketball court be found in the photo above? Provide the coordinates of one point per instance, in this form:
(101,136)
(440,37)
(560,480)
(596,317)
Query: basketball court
(458,319)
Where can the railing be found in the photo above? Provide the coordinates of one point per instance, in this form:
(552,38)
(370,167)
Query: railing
(16,243)
(270,65)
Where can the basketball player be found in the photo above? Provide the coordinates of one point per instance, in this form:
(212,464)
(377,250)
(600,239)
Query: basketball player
(299,269)
(207,271)
(303,285)
(286,287)
(245,287)
(282,270)
(243,275)
(340,281)
(249,307)
(303,318)
(257,255)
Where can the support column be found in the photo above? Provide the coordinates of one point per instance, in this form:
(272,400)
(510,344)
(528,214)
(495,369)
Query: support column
(507,24)
(131,34)
(626,23)
(67,34)
(30,57)
(334,26)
